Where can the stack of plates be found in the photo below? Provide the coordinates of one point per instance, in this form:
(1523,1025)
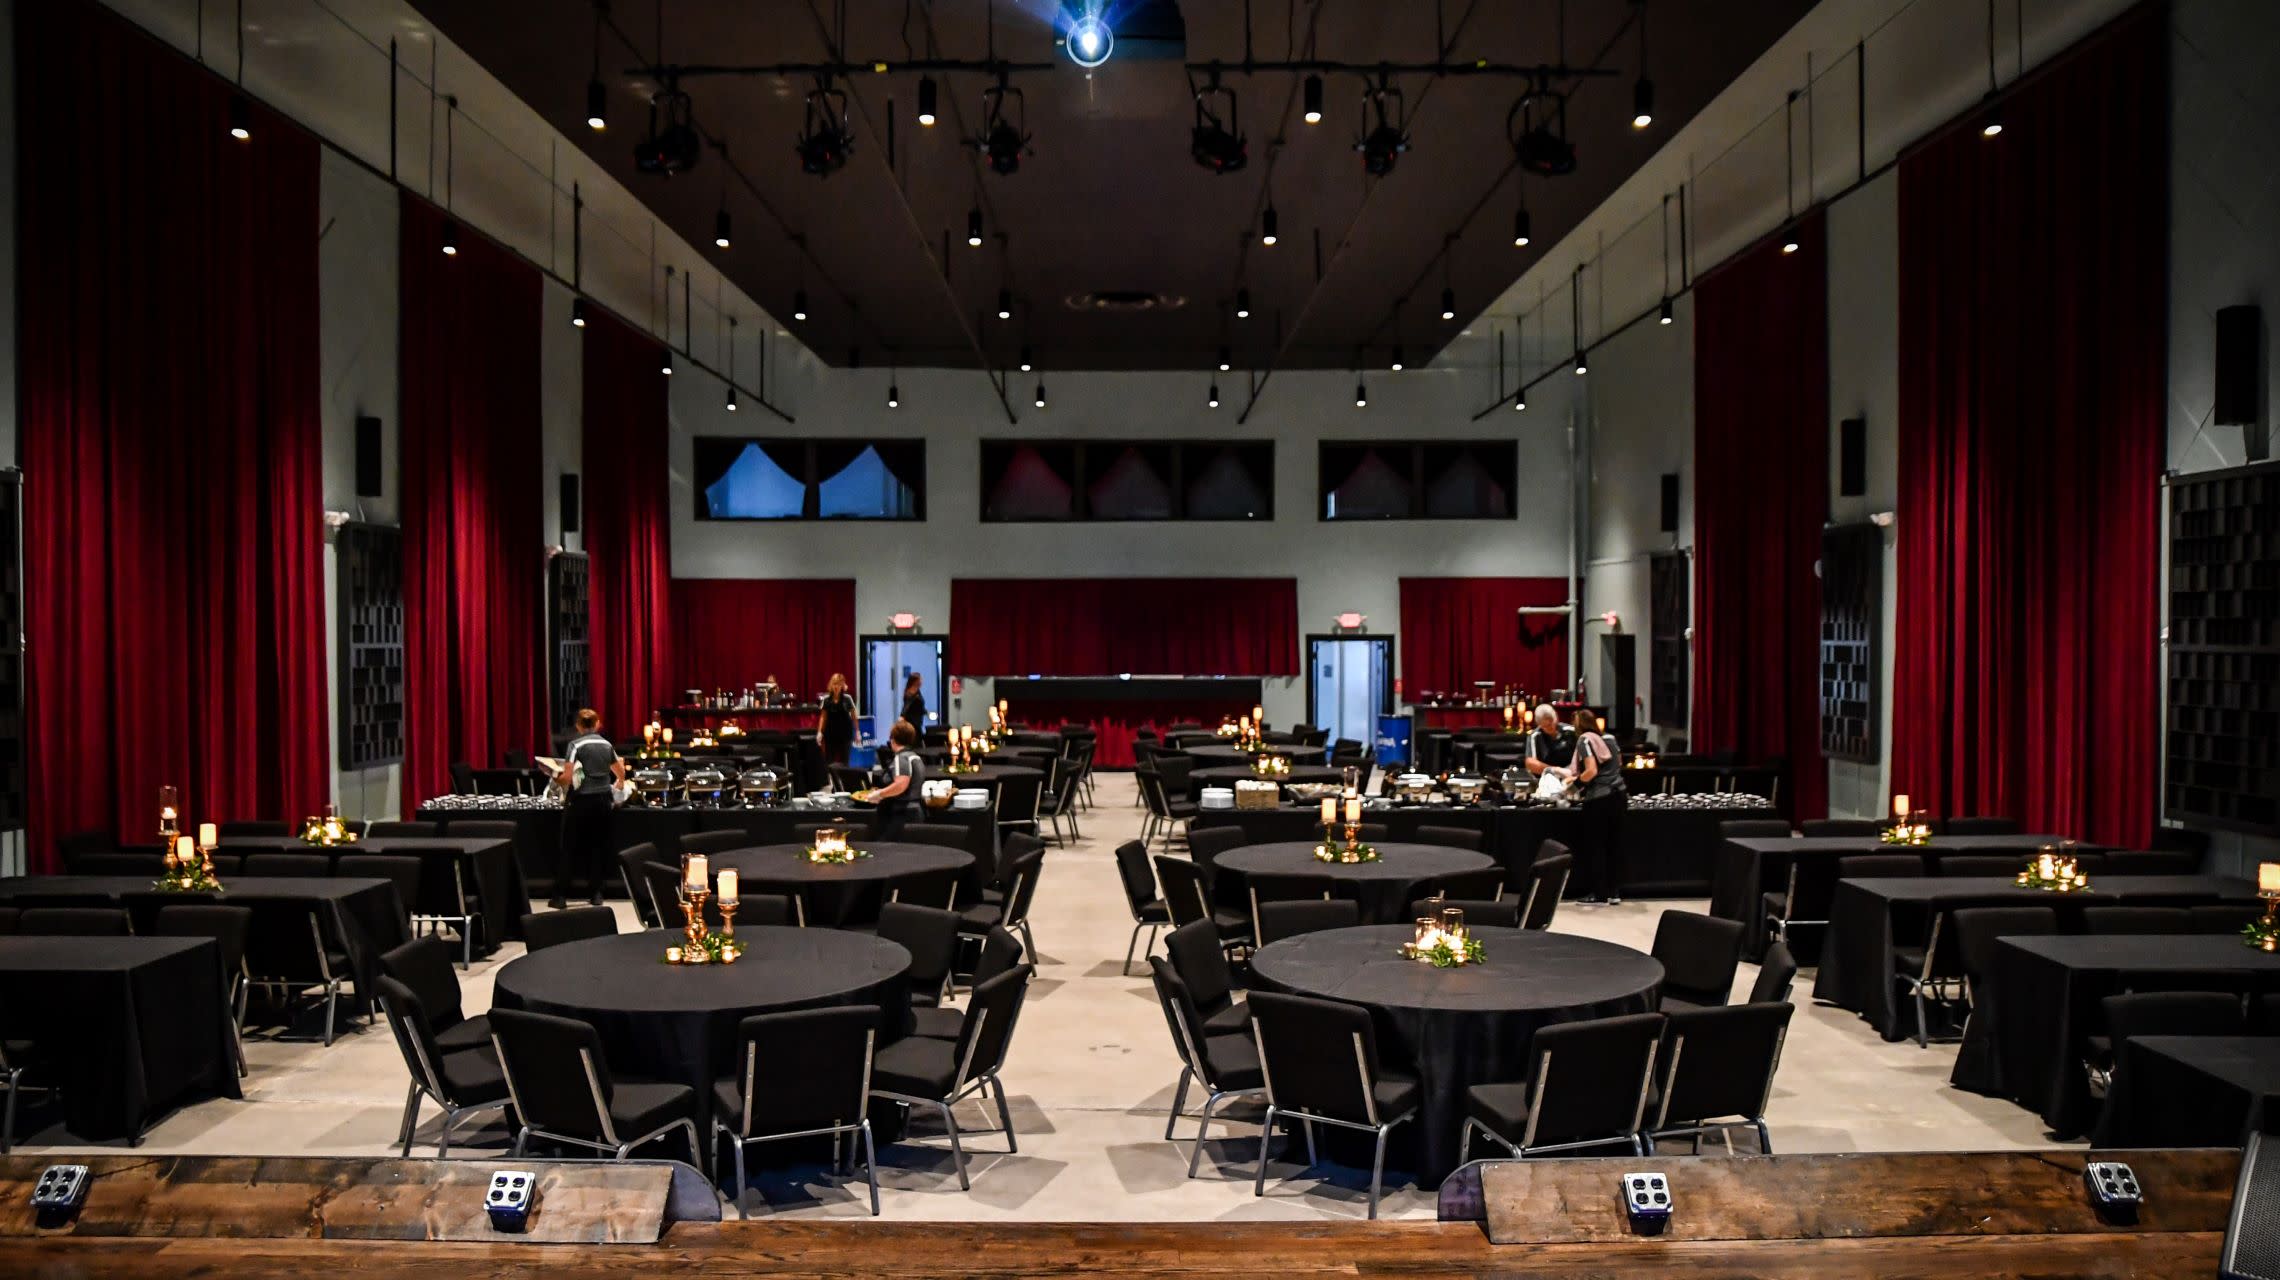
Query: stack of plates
(971,798)
(1217,798)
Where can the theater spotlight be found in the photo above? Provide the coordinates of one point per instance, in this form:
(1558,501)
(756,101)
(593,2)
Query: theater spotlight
(672,145)
(1005,135)
(825,142)
(1385,134)
(1217,143)
(1090,41)
(1542,149)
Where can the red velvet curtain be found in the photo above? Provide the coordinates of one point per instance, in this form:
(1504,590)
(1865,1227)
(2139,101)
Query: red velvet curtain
(169,401)
(474,556)
(731,632)
(1116,626)
(627,523)
(1458,630)
(2033,275)
(1116,723)
(1761,497)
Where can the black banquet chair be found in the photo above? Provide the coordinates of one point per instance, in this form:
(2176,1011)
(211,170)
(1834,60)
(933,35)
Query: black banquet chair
(1149,911)
(395,868)
(1872,866)
(921,1071)
(316,866)
(459,1083)
(73,922)
(245,827)
(543,929)
(393,829)
(1777,972)
(1717,1071)
(1451,837)
(930,935)
(1543,885)
(1001,951)
(228,927)
(561,1087)
(1199,957)
(1319,1061)
(1292,917)
(423,966)
(802,1074)
(118,864)
(1981,827)
(1977,864)
(1226,1065)
(1482,913)
(1700,955)
(2140,920)
(288,951)
(1587,1087)
(1813,828)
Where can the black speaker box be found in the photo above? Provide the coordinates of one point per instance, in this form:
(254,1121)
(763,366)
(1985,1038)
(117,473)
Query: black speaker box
(2240,366)
(569,502)
(2252,1237)
(368,477)
(1852,457)
(1670,502)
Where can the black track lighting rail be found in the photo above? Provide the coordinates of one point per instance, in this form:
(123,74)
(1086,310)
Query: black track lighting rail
(667,72)
(1541,74)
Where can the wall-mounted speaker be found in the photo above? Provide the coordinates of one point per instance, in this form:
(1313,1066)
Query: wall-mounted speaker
(1670,502)
(1852,457)
(2240,366)
(368,468)
(569,502)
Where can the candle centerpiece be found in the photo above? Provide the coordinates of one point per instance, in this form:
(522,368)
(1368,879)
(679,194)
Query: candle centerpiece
(326,831)
(1443,941)
(189,864)
(2054,872)
(961,758)
(830,846)
(1271,766)
(1343,843)
(700,945)
(2263,933)
(1908,827)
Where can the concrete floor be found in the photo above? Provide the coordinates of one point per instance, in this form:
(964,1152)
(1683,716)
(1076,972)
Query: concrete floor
(1091,1073)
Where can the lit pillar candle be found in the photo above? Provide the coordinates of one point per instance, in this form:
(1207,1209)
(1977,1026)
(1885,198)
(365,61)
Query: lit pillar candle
(700,872)
(1353,808)
(2043,866)
(185,851)
(668,736)
(208,835)
(1258,715)
(2268,877)
(1900,808)
(1330,813)
(728,887)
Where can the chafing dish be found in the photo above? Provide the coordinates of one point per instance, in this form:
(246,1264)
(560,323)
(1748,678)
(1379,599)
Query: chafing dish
(1516,781)
(761,786)
(705,786)
(1412,787)
(656,786)
(937,793)
(1466,789)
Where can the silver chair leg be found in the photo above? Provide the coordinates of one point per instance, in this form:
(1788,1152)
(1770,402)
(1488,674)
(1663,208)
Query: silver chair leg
(742,1195)
(443,1135)
(957,1153)
(1179,1097)
(332,1003)
(522,1139)
(411,1118)
(1266,1139)
(1005,1116)
(1132,946)
(1765,1140)
(15,1083)
(1312,1159)
(870,1167)
(1464,1143)
(1923,1026)
(1377,1172)
(1210,1104)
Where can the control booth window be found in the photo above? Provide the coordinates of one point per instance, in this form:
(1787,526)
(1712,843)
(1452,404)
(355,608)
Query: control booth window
(743,478)
(1418,480)
(1032,481)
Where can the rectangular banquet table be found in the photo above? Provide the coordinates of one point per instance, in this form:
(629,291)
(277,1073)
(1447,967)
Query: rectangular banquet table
(2190,1091)
(1869,917)
(127,1027)
(500,886)
(363,915)
(1747,869)
(2027,1043)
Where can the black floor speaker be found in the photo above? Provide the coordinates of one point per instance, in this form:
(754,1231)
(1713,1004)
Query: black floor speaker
(2252,1238)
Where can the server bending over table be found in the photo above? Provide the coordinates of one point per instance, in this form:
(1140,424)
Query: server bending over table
(1547,748)
(898,801)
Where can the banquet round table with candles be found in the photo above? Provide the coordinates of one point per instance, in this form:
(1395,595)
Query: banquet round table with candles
(833,892)
(1229,774)
(1455,1028)
(1220,756)
(1384,888)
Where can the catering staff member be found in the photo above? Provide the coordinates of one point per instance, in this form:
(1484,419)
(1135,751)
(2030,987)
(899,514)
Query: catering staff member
(1547,749)
(898,801)
(1596,777)
(914,703)
(835,724)
(591,767)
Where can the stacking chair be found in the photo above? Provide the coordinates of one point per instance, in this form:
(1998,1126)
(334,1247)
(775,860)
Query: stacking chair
(1453,837)
(395,868)
(118,864)
(1282,888)
(1057,805)
(937,889)
(2137,920)
(1754,829)
(17,1057)
(1777,973)
(2223,917)
(1718,1063)
(255,828)
(1486,913)
(74,922)
(1931,972)
(1226,1065)
(1001,951)
(1274,921)
(1700,955)
(712,842)
(1981,827)
(1977,928)
(1486,884)
(1021,876)
(445,896)
(1870,866)
(543,929)
(803,1074)
(459,1083)
(1205,845)
(944,835)
(924,1072)
(562,1089)
(400,830)
(287,951)
(423,965)
(1319,1062)
(2157,1013)
(70,847)
(228,927)
(2150,862)
(1977,864)
(1813,827)
(1187,898)
(1546,881)
(277,865)
(1199,957)
(1149,910)
(1168,809)
(1587,1087)
(631,860)
(930,934)
(845,777)
(770,909)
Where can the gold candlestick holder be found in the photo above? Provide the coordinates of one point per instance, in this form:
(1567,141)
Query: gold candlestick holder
(727,944)
(2264,933)
(692,949)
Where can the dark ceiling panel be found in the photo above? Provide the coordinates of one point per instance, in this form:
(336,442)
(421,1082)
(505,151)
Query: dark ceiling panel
(1110,201)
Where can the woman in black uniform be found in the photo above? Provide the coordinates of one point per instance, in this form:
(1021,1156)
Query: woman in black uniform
(1597,777)
(914,704)
(835,727)
(898,801)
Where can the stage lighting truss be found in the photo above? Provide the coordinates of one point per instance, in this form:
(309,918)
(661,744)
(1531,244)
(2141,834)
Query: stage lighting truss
(1217,142)
(1385,128)
(1537,128)
(1004,138)
(826,141)
(672,145)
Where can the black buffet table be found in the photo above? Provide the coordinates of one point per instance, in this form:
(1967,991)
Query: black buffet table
(500,885)
(1227,775)
(127,1027)
(2030,1044)
(2190,1091)
(1455,1028)
(1384,888)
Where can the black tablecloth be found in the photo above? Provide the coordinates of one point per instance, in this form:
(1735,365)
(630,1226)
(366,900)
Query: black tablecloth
(127,1027)
(1745,870)
(500,885)
(2190,1091)
(1227,775)
(1465,1026)
(1869,917)
(1383,888)
(2045,1008)
(1213,757)
(678,1022)
(835,892)
(363,915)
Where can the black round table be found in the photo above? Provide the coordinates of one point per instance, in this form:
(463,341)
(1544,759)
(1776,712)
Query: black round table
(834,892)
(678,1022)
(1455,1028)
(1384,888)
